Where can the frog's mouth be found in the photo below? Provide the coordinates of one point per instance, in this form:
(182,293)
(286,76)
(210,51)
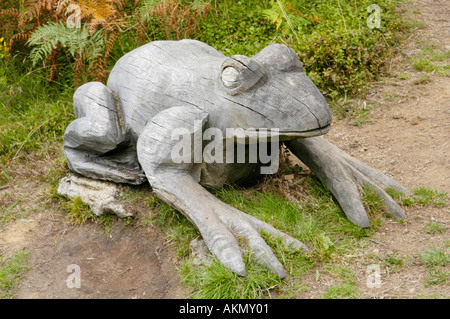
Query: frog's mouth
(267,135)
(289,135)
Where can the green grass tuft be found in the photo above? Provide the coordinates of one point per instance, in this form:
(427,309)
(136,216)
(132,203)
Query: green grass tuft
(419,197)
(215,281)
(11,272)
(434,257)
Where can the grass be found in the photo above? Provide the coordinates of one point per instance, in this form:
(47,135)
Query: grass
(316,220)
(12,271)
(33,114)
(437,276)
(434,228)
(354,109)
(423,78)
(420,197)
(77,211)
(177,227)
(215,281)
(434,257)
(431,58)
(347,289)
(342,291)
(394,262)
(436,260)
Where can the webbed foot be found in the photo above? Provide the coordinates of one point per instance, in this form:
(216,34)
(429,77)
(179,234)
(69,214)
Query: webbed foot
(221,225)
(344,176)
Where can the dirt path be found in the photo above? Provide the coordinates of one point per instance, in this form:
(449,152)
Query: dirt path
(408,133)
(123,262)
(408,138)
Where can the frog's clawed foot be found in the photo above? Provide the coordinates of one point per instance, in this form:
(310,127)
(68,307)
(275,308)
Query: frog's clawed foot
(223,226)
(345,176)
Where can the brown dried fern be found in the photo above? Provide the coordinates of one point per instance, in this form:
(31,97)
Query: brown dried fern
(177,19)
(78,70)
(21,37)
(52,59)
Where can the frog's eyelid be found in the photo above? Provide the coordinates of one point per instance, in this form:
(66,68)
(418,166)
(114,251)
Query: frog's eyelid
(293,66)
(279,57)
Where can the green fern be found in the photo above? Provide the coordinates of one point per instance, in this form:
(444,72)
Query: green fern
(78,41)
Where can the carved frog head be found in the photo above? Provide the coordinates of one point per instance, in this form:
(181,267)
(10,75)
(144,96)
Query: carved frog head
(271,90)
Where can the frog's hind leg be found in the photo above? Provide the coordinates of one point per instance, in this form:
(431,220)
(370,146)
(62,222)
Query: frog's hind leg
(96,144)
(175,179)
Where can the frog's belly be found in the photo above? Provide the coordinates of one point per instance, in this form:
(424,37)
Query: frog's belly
(247,165)
(216,175)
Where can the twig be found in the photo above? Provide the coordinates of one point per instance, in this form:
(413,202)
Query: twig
(4,187)
(379,243)
(299,181)
(394,288)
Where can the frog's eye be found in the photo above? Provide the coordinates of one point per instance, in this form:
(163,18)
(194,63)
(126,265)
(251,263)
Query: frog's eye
(230,77)
(240,73)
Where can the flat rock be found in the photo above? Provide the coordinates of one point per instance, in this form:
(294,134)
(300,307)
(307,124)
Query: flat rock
(101,196)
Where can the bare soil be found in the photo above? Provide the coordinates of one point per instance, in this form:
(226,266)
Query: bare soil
(120,262)
(407,137)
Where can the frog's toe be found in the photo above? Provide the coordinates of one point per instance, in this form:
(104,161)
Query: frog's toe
(221,242)
(345,177)
(225,247)
(389,203)
(262,253)
(269,229)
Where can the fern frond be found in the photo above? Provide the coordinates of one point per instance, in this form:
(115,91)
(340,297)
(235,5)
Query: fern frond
(94,24)
(10,12)
(147,9)
(22,36)
(78,70)
(61,5)
(49,4)
(120,4)
(32,11)
(110,44)
(52,59)
(77,41)
(97,9)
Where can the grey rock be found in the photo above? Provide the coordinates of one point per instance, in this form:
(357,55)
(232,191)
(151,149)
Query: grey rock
(200,252)
(101,196)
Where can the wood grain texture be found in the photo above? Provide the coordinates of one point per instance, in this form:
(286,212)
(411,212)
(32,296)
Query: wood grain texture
(126,132)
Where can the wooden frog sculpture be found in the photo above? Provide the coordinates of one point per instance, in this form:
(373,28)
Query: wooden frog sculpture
(126,132)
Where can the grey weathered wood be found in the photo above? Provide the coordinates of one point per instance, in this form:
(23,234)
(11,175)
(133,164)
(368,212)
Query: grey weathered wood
(124,133)
(343,175)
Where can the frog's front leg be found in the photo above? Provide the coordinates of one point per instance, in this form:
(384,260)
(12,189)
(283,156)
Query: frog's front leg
(176,183)
(94,142)
(344,175)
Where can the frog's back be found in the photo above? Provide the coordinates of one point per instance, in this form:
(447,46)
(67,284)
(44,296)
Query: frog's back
(160,75)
